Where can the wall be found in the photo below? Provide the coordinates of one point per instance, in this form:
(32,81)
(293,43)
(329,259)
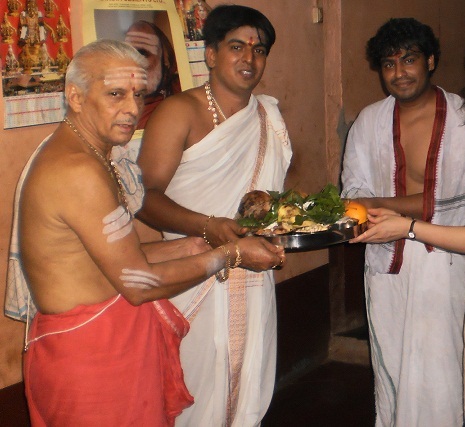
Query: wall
(318,73)
(362,18)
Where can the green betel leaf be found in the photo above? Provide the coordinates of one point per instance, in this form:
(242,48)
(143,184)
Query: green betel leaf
(324,207)
(327,206)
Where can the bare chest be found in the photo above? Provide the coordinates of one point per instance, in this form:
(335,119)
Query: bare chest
(415,138)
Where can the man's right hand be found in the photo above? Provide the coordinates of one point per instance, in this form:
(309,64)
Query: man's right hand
(258,254)
(219,231)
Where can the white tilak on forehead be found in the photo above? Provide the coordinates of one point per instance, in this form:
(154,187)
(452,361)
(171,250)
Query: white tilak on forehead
(139,279)
(141,40)
(120,76)
(118,224)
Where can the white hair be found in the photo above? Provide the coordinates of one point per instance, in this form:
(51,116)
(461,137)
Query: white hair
(81,75)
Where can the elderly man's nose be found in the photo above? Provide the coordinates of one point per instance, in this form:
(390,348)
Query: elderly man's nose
(132,105)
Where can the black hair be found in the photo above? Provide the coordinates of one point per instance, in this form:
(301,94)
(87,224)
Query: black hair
(225,18)
(402,33)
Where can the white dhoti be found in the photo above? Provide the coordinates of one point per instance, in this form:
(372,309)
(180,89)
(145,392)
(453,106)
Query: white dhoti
(415,294)
(416,324)
(229,355)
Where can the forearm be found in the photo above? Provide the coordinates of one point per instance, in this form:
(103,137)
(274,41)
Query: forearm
(166,250)
(163,214)
(407,205)
(388,226)
(445,237)
(170,278)
(180,275)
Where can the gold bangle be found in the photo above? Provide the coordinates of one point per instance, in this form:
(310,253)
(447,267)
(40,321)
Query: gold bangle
(238,258)
(205,229)
(222,277)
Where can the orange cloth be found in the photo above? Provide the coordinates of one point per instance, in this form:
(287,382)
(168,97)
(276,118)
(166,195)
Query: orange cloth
(121,368)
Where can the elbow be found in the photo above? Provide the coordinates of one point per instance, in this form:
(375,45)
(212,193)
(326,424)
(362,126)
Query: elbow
(135,299)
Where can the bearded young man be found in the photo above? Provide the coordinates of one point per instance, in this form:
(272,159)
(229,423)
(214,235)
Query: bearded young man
(406,153)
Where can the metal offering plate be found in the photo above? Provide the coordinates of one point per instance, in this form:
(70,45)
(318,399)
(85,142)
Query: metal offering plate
(340,232)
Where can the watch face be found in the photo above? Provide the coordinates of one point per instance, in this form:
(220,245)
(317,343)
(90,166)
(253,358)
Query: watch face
(411,233)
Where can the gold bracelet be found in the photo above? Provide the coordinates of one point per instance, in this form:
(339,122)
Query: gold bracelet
(238,258)
(205,229)
(222,277)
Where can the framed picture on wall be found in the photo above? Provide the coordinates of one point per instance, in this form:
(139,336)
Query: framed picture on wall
(154,29)
(192,14)
(35,51)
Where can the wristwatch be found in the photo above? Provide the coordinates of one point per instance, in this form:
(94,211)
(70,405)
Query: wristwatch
(411,233)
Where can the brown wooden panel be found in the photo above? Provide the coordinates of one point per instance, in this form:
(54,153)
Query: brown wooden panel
(13,406)
(303,322)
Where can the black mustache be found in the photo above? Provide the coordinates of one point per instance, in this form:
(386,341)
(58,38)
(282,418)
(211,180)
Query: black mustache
(401,80)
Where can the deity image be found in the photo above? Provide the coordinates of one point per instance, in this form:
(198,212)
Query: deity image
(7,30)
(192,15)
(13,7)
(11,63)
(34,49)
(31,36)
(201,11)
(182,16)
(62,60)
(32,30)
(45,60)
(62,30)
(50,6)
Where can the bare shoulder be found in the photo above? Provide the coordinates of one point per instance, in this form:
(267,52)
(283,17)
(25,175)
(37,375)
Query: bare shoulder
(170,127)
(187,100)
(62,177)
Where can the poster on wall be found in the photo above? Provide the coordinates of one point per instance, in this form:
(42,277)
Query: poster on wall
(153,27)
(192,14)
(35,50)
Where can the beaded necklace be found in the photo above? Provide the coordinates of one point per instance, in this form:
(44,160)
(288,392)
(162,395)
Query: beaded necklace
(213,105)
(109,164)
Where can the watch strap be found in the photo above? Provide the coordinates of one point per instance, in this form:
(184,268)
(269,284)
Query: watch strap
(411,233)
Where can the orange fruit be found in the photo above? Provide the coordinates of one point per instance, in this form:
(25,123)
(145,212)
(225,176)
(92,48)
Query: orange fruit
(357,211)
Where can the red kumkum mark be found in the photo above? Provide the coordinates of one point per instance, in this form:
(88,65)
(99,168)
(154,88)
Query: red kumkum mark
(251,42)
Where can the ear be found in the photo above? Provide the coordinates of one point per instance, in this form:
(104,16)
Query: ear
(210,56)
(431,65)
(75,97)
